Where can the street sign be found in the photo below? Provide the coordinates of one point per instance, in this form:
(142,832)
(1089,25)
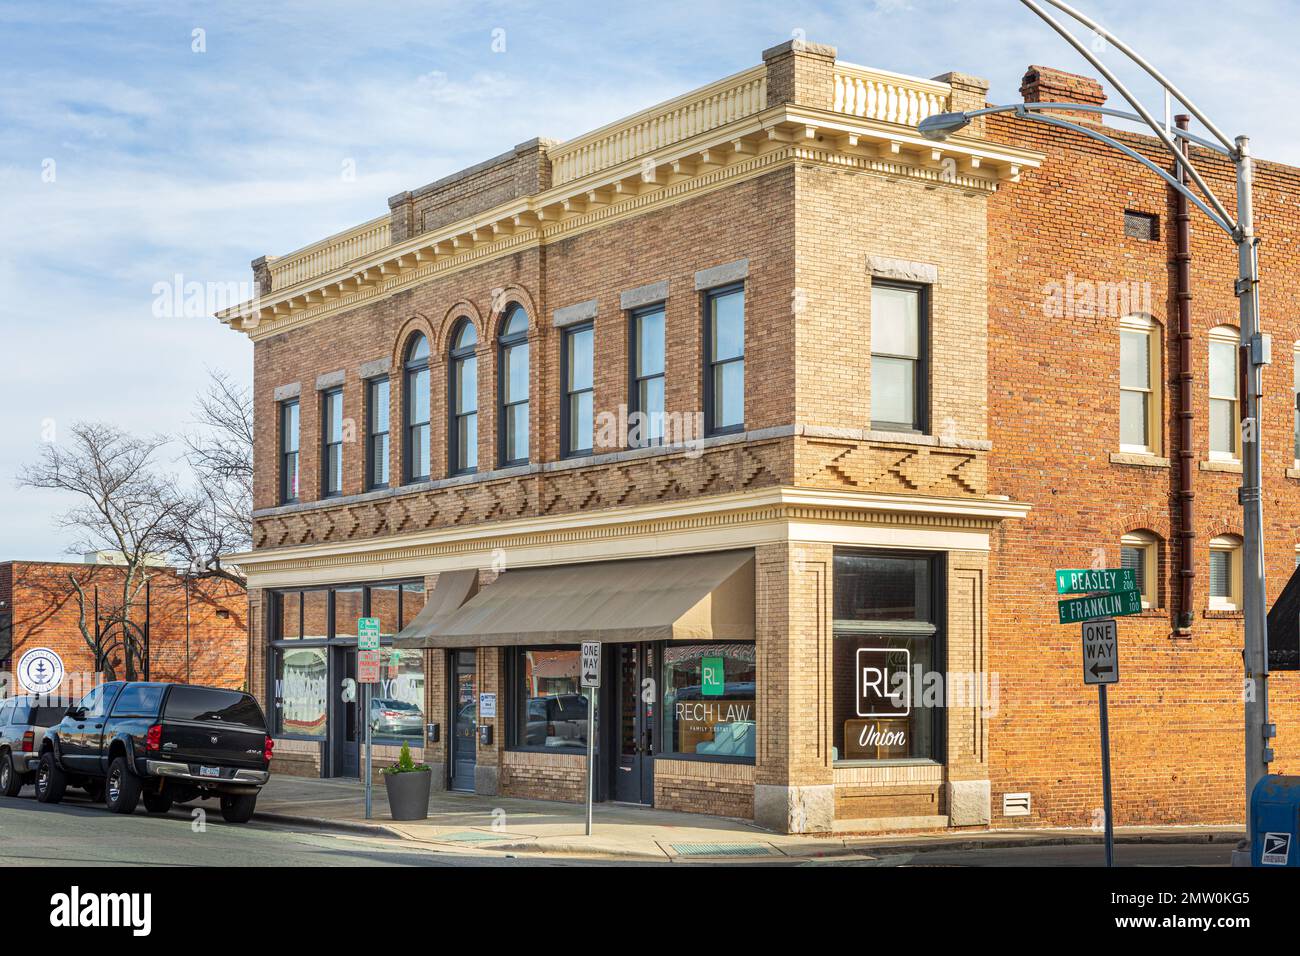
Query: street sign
(367,633)
(1096,580)
(1101,652)
(1075,610)
(367,667)
(590,663)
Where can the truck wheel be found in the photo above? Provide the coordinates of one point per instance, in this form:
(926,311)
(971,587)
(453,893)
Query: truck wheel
(10,780)
(238,808)
(122,788)
(157,802)
(50,780)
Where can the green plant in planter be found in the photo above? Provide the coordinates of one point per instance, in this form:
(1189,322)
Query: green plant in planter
(405,764)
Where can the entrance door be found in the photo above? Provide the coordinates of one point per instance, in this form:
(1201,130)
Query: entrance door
(464,719)
(634,703)
(346,729)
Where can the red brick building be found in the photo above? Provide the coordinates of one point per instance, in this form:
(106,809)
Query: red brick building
(198,629)
(897,383)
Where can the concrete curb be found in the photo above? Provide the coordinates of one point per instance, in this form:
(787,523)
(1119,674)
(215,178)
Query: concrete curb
(866,847)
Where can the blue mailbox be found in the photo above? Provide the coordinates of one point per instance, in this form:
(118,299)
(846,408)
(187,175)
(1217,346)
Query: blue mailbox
(1275,821)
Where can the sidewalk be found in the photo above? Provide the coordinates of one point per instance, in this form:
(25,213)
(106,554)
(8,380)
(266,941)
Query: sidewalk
(461,823)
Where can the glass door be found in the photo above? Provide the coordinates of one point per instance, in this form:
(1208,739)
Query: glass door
(634,702)
(346,729)
(464,719)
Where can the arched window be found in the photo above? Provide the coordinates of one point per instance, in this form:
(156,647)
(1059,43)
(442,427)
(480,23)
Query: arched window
(1225,573)
(1139,550)
(1225,429)
(416,408)
(1139,383)
(512,371)
(463,434)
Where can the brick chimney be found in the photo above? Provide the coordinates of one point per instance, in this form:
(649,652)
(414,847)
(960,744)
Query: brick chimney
(1043,84)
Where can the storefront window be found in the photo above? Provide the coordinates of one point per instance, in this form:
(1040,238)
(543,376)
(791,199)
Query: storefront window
(301,686)
(413,598)
(888,689)
(349,607)
(709,701)
(551,706)
(315,615)
(290,615)
(384,605)
(397,706)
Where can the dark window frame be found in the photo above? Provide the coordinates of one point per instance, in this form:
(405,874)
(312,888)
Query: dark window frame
(634,381)
(455,359)
(326,422)
(708,296)
(515,706)
(566,396)
(935,628)
(504,344)
(921,381)
(411,370)
(372,385)
(285,453)
(661,718)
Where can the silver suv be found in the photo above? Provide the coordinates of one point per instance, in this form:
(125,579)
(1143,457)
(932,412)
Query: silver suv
(23,722)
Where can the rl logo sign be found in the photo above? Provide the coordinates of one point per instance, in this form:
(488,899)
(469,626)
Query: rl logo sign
(883,682)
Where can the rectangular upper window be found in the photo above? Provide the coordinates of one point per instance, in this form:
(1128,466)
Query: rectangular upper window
(724,346)
(332,442)
(1139,383)
(377,449)
(898,356)
(578,424)
(646,421)
(289,451)
(1225,433)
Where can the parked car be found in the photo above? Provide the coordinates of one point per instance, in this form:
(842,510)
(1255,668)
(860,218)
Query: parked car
(395,717)
(23,722)
(559,721)
(163,743)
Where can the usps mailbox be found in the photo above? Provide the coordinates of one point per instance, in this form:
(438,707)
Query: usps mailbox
(1275,821)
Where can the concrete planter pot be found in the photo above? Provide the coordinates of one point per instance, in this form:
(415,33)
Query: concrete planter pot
(408,794)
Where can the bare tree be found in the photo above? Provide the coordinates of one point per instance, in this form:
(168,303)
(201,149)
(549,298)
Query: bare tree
(126,507)
(217,517)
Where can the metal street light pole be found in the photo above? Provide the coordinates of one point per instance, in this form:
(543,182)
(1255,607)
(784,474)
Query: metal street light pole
(1255,348)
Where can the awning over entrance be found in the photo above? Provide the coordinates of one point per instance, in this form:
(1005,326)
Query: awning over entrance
(452,589)
(691,597)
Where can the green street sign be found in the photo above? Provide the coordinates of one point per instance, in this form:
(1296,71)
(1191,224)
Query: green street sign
(1096,581)
(712,680)
(1076,610)
(367,633)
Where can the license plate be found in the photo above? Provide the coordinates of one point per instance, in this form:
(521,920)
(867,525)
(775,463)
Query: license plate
(209,771)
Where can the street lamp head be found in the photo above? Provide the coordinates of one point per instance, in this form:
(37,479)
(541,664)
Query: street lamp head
(942,125)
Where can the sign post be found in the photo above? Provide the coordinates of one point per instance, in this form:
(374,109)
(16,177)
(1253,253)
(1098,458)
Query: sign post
(591,682)
(367,676)
(1101,667)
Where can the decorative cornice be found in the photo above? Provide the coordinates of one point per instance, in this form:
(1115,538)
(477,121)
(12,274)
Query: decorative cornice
(764,506)
(722,156)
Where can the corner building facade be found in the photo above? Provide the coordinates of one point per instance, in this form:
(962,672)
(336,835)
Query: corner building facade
(710,385)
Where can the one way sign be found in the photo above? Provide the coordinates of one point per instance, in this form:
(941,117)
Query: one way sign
(1101,652)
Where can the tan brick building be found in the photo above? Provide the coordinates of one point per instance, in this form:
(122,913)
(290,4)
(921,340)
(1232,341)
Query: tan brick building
(757,388)
(198,629)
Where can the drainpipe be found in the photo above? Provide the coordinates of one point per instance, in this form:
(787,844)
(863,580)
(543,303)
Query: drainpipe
(1186,494)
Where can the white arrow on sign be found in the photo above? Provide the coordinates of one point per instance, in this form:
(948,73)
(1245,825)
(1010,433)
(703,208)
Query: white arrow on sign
(1101,652)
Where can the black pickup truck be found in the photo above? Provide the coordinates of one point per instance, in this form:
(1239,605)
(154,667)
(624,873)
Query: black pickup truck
(163,743)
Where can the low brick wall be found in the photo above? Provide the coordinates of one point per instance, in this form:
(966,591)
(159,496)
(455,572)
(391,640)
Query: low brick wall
(542,776)
(720,789)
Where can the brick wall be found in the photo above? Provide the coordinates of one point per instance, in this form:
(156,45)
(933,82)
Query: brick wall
(46,611)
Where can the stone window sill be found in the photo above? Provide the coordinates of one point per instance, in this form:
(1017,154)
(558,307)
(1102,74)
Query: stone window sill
(1137,458)
(1222,614)
(1293,472)
(1230,467)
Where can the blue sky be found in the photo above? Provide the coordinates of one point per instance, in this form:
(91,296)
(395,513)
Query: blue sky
(166,161)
